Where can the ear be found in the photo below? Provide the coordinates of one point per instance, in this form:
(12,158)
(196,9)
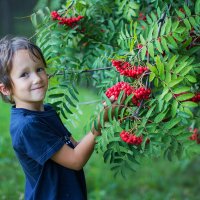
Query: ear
(4,90)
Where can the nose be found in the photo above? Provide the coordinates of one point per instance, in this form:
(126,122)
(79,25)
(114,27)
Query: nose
(36,78)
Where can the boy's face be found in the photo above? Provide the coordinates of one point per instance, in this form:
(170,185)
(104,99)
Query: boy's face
(30,81)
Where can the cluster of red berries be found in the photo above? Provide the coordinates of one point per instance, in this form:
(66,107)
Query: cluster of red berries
(140,94)
(126,69)
(130,138)
(71,22)
(116,89)
(196,98)
(195,136)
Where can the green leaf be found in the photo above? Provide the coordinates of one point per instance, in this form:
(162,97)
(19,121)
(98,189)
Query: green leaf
(190,78)
(187,24)
(175,82)
(102,118)
(160,67)
(171,62)
(172,42)
(151,50)
(150,111)
(180,14)
(189,104)
(152,68)
(34,20)
(168,97)
(180,30)
(164,44)
(168,26)
(63,114)
(158,46)
(152,76)
(128,99)
(173,122)
(56,95)
(181,89)
(143,52)
(184,97)
(160,117)
(175,25)
(187,10)
(164,92)
(67,109)
(108,102)
(174,108)
(168,77)
(69,101)
(197,7)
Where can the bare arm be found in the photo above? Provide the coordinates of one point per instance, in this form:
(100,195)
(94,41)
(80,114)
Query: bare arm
(76,158)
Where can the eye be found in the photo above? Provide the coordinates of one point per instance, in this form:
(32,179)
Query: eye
(40,69)
(25,74)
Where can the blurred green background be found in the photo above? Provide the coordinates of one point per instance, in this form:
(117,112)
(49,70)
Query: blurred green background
(154,179)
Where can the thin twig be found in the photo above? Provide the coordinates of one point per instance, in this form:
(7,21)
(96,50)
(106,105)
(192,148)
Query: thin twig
(78,72)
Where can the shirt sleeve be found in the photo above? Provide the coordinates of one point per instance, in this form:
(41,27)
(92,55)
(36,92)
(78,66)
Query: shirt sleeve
(40,142)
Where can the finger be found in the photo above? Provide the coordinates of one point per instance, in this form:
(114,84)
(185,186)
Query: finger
(112,98)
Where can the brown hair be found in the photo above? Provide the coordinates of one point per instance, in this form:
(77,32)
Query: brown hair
(8,47)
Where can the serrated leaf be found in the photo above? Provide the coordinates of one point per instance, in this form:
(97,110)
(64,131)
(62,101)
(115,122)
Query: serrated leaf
(175,82)
(110,114)
(187,23)
(168,77)
(150,111)
(181,89)
(189,104)
(34,20)
(151,50)
(108,102)
(171,62)
(164,92)
(67,109)
(172,42)
(180,14)
(173,122)
(143,52)
(152,68)
(197,7)
(160,117)
(120,97)
(102,118)
(168,26)
(128,99)
(160,67)
(56,95)
(175,25)
(191,78)
(69,101)
(63,114)
(168,97)
(158,46)
(174,108)
(187,10)
(152,76)
(184,97)
(164,44)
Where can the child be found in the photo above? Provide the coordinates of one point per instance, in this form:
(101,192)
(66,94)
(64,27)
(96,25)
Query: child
(51,159)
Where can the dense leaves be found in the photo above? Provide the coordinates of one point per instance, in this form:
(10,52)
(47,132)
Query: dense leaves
(152,45)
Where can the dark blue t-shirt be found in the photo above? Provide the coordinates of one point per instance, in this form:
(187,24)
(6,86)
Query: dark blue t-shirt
(36,136)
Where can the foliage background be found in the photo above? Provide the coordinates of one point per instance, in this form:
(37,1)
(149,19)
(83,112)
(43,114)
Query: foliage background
(155,179)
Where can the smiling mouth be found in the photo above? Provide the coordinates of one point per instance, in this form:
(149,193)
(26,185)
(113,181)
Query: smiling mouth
(38,88)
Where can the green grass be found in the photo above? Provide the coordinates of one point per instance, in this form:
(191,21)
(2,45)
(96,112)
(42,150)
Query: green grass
(154,180)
